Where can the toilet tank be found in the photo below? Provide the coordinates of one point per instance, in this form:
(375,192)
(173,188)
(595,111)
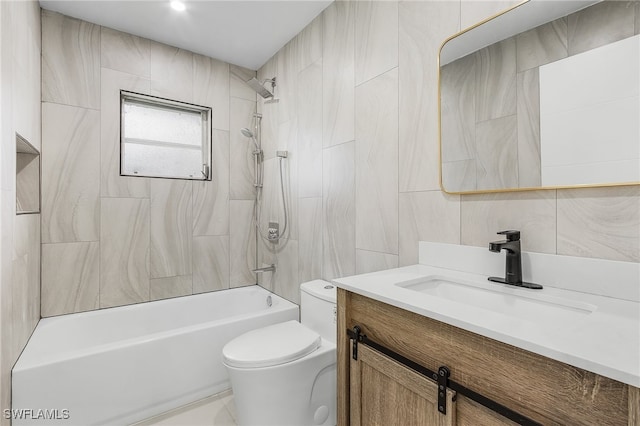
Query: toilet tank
(318,308)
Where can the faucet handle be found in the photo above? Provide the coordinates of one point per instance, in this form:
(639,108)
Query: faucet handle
(512,235)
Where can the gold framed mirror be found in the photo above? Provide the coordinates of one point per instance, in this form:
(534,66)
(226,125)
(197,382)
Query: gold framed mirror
(545,95)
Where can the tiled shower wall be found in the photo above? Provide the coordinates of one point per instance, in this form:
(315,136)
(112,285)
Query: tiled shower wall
(358,113)
(109,240)
(19,234)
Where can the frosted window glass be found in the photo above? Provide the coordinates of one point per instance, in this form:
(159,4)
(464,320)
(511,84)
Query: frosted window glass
(163,125)
(164,139)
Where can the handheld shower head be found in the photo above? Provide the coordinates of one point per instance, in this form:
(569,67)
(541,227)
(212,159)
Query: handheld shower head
(249,134)
(246,132)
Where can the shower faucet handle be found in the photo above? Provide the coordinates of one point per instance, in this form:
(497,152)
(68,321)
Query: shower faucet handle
(273,232)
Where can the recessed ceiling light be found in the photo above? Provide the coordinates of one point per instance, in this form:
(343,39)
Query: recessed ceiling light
(178,5)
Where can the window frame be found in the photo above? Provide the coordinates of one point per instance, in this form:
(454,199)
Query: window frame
(173,105)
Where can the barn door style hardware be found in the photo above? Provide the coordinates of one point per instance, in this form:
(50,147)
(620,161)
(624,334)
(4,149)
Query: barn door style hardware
(441,377)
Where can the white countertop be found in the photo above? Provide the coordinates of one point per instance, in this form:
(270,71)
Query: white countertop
(604,338)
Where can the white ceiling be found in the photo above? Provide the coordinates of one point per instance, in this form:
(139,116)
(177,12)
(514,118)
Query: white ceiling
(245,33)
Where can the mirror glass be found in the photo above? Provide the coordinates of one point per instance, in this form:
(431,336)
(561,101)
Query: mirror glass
(545,95)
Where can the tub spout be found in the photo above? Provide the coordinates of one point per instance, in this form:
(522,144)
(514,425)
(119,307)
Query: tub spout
(270,268)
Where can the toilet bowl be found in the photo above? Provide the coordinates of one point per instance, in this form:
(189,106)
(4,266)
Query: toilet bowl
(285,374)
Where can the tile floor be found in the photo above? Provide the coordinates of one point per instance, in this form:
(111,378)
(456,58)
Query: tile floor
(216,410)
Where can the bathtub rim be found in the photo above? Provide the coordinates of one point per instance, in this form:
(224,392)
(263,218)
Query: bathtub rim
(27,361)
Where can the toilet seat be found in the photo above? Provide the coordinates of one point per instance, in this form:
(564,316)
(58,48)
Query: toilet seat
(273,345)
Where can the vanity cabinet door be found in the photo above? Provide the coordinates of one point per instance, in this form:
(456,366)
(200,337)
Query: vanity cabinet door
(384,392)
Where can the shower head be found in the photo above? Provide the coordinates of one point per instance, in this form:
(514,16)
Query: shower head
(248,133)
(259,88)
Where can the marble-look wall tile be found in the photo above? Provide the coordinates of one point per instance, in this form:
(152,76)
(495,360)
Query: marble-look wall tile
(284,282)
(310,131)
(533,213)
(70,174)
(242,243)
(600,24)
(496,80)
(8,353)
(542,45)
(211,88)
(497,153)
(338,211)
(308,45)
(20,323)
(70,61)
(171,72)
(372,261)
(171,228)
(458,109)
(211,198)
(422,28)
(474,11)
(528,88)
(377,164)
(338,73)
(165,288)
(302,51)
(376,38)
(26,118)
(26,80)
(427,216)
(241,172)
(310,239)
(125,52)
(111,183)
(26,278)
(237,83)
(70,278)
(124,251)
(7,149)
(287,65)
(210,263)
(600,222)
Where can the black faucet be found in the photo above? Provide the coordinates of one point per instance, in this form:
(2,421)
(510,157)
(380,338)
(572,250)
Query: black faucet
(513,270)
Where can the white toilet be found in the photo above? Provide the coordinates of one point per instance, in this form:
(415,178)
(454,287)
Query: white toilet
(285,374)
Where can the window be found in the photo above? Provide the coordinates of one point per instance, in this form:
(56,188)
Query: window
(164,138)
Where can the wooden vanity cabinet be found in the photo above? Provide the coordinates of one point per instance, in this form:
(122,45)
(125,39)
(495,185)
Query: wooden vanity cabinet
(390,393)
(374,389)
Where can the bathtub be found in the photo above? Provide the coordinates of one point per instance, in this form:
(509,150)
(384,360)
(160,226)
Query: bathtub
(120,365)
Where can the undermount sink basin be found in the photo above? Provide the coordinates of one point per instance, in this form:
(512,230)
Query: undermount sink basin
(519,302)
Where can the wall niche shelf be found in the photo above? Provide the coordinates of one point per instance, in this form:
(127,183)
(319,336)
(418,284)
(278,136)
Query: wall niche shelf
(27,177)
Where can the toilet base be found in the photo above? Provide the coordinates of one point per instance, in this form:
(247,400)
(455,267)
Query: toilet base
(299,393)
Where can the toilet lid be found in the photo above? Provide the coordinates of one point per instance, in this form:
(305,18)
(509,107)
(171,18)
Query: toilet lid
(272,345)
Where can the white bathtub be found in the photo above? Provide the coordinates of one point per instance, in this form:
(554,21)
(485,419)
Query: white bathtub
(121,365)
